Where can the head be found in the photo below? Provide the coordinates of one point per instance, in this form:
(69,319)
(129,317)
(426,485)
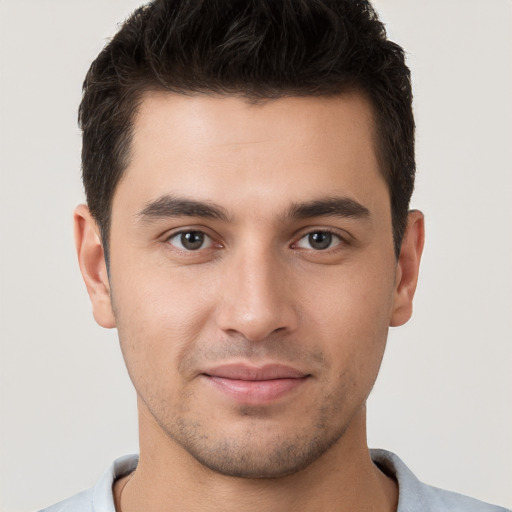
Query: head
(259,50)
(248,166)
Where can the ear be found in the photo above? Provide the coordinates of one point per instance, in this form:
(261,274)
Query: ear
(91,259)
(407,268)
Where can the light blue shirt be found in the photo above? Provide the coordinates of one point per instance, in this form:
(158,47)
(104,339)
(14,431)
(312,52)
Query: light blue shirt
(414,496)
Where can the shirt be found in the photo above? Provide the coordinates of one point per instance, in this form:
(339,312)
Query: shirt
(414,496)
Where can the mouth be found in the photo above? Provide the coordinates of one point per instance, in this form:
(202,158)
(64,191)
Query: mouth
(251,385)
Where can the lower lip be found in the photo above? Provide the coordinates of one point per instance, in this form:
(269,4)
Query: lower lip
(256,392)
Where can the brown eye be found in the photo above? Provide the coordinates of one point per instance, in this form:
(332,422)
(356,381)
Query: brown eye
(190,240)
(319,240)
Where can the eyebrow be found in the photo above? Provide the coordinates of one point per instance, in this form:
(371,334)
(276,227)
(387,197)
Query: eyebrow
(342,207)
(169,206)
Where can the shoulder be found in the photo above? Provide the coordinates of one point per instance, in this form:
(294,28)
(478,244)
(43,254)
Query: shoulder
(415,496)
(81,502)
(446,500)
(98,498)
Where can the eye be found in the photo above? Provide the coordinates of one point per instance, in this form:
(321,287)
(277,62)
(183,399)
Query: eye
(190,240)
(319,241)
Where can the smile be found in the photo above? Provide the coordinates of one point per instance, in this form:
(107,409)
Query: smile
(255,386)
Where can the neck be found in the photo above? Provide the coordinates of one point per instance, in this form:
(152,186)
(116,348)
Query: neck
(169,479)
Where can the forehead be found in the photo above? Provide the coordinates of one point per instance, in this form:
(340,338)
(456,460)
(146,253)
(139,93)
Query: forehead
(232,151)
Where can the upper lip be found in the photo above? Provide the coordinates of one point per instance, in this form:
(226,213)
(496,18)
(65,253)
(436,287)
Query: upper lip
(239,371)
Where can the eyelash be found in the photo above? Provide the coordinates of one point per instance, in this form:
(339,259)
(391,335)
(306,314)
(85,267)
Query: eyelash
(190,231)
(212,244)
(341,240)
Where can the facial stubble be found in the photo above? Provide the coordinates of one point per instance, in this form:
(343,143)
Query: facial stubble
(251,441)
(259,448)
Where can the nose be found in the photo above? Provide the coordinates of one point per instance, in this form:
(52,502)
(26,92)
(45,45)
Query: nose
(257,296)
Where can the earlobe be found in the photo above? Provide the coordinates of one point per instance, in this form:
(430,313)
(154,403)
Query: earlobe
(408,268)
(91,259)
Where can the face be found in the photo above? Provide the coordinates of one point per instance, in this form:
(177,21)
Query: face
(253,276)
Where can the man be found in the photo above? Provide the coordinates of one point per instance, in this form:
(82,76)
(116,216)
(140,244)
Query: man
(248,169)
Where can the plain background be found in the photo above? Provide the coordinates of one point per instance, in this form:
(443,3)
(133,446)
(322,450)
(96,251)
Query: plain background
(443,399)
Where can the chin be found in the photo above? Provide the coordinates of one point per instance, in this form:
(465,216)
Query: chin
(253,456)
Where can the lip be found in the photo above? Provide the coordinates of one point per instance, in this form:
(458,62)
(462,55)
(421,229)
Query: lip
(255,385)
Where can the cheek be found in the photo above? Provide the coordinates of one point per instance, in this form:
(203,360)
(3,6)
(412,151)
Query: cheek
(160,317)
(354,300)
(352,317)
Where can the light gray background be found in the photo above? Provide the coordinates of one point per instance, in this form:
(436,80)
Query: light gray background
(443,400)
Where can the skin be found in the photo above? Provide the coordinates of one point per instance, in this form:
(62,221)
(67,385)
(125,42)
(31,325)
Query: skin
(259,291)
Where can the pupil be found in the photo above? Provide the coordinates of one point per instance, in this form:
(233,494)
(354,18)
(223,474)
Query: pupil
(192,240)
(320,240)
